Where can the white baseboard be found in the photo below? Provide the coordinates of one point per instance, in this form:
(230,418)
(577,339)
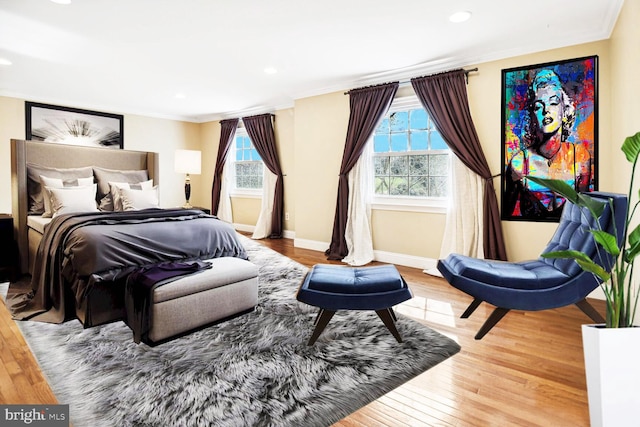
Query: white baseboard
(287,234)
(381,256)
(406,260)
(313,245)
(244,228)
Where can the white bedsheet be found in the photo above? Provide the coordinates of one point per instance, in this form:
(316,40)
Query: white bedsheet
(38,223)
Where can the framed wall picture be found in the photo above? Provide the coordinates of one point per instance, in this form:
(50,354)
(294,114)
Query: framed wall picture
(65,125)
(550,130)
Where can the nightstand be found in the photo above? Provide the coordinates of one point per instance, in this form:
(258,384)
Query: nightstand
(8,250)
(205,210)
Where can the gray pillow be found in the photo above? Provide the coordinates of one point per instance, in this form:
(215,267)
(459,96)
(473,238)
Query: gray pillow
(34,186)
(104,176)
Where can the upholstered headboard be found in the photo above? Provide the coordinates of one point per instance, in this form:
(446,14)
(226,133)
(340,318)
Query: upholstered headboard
(64,156)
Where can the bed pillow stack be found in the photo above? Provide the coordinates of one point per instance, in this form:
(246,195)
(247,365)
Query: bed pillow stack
(118,194)
(77,195)
(72,199)
(73,190)
(106,176)
(35,189)
(132,199)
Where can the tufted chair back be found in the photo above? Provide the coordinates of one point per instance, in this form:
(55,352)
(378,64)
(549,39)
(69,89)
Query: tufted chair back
(572,232)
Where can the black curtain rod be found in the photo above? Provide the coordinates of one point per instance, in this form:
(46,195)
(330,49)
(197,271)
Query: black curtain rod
(466,73)
(256,115)
(406,82)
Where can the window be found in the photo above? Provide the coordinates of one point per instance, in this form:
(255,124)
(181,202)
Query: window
(410,158)
(247,164)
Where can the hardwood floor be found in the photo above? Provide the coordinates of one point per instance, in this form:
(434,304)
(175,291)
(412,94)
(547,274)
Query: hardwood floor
(528,371)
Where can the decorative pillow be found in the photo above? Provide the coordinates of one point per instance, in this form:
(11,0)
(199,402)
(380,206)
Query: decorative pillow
(138,199)
(115,194)
(105,176)
(34,186)
(58,183)
(73,199)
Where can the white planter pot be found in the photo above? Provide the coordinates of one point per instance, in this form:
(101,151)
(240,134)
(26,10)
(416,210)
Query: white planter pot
(612,365)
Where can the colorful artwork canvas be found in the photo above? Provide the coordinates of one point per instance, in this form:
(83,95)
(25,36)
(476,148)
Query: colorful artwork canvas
(550,129)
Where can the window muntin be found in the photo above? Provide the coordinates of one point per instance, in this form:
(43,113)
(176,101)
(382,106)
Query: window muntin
(410,157)
(247,164)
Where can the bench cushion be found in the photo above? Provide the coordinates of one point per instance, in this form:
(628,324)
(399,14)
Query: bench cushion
(348,280)
(336,287)
(223,271)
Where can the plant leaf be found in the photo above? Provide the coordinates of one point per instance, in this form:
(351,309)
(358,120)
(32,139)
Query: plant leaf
(568,254)
(631,147)
(595,207)
(608,241)
(634,245)
(594,268)
(583,261)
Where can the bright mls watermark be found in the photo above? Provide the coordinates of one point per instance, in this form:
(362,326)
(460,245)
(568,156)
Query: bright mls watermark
(34,415)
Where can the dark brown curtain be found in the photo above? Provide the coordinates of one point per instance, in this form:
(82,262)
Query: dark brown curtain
(227,132)
(444,96)
(260,130)
(367,106)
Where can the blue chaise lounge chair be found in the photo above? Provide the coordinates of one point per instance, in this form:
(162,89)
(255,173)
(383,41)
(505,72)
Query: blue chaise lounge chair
(543,283)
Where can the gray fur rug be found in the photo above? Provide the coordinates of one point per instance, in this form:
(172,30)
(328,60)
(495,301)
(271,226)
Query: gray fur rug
(254,370)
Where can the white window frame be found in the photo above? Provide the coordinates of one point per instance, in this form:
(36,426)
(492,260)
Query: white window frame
(247,193)
(406,203)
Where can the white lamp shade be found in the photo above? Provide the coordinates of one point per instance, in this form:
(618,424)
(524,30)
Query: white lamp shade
(188,161)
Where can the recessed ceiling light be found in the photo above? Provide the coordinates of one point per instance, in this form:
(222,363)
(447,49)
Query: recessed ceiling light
(180,95)
(4,61)
(460,16)
(62,1)
(270,70)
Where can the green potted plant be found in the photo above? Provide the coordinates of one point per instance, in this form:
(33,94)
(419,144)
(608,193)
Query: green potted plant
(610,358)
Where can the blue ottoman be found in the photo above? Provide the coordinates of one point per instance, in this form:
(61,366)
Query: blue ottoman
(335,287)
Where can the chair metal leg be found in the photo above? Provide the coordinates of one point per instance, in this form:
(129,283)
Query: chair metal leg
(472,307)
(387,318)
(321,322)
(495,317)
(590,311)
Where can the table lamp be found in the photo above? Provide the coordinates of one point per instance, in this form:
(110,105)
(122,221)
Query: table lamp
(187,161)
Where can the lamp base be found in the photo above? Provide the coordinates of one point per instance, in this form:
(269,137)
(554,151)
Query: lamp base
(187,193)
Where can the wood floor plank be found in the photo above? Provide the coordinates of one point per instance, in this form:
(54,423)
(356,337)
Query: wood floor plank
(528,371)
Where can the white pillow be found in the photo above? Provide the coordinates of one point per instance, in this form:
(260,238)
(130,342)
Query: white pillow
(115,194)
(138,199)
(59,183)
(73,199)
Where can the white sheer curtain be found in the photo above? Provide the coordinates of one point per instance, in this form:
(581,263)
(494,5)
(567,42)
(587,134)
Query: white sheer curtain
(463,226)
(358,228)
(224,207)
(263,226)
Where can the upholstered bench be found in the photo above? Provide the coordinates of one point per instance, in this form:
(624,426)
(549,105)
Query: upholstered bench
(227,289)
(335,287)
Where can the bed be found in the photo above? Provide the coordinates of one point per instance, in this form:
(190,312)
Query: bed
(60,156)
(79,262)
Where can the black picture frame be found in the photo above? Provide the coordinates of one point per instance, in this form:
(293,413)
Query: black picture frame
(75,126)
(549,115)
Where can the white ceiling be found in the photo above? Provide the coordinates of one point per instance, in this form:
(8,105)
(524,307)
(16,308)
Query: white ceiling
(135,56)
